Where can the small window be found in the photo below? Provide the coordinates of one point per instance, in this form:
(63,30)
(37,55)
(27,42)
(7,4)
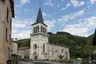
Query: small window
(62,50)
(41,28)
(6,34)
(43,47)
(7,15)
(10,23)
(10,39)
(3,0)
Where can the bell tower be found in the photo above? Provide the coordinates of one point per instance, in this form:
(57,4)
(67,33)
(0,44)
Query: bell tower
(39,39)
(39,26)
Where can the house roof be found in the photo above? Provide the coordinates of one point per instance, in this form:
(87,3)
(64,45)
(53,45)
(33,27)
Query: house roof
(58,45)
(23,48)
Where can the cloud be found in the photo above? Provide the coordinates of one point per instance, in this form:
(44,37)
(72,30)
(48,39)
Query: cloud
(82,28)
(71,16)
(51,24)
(21,34)
(69,4)
(91,22)
(24,2)
(44,14)
(21,28)
(76,29)
(77,3)
(93,2)
(58,5)
(49,3)
(19,25)
(62,0)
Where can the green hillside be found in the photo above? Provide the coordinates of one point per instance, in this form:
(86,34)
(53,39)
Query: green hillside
(78,45)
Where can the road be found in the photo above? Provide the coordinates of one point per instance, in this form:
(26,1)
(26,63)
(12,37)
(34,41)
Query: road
(22,62)
(76,62)
(45,62)
(36,62)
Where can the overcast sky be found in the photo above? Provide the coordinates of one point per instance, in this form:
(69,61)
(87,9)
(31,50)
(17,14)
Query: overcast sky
(77,17)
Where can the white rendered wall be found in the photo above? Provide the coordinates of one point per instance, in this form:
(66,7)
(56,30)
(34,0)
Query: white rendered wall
(39,38)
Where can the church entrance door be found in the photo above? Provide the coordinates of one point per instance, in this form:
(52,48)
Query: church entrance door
(36,56)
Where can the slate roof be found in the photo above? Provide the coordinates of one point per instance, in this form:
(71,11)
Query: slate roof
(23,48)
(39,18)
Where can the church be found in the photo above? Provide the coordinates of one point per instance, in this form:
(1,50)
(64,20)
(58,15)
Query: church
(40,48)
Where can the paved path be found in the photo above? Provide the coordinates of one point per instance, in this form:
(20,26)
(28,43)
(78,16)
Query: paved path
(22,62)
(36,62)
(77,62)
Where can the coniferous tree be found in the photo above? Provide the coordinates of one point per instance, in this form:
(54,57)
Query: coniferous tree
(94,39)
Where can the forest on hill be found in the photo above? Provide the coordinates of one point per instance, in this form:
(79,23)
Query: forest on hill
(77,45)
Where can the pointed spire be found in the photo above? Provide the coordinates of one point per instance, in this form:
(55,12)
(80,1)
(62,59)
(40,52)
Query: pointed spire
(94,38)
(39,17)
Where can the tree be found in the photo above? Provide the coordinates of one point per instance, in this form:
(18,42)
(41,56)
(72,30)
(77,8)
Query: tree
(94,39)
(88,49)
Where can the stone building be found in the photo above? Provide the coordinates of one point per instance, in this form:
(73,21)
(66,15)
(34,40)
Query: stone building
(40,48)
(23,52)
(6,14)
(14,48)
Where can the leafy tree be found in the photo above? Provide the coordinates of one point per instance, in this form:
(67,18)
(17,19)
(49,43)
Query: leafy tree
(88,49)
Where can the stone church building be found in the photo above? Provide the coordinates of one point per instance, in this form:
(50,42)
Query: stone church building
(40,49)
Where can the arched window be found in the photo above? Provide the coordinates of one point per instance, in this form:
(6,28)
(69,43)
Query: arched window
(35,46)
(38,28)
(43,47)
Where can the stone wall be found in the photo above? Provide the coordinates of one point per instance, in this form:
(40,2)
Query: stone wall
(55,51)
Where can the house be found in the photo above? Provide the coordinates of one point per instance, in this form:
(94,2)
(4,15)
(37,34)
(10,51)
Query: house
(23,52)
(6,14)
(14,48)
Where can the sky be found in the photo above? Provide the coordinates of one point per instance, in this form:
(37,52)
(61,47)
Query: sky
(77,17)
